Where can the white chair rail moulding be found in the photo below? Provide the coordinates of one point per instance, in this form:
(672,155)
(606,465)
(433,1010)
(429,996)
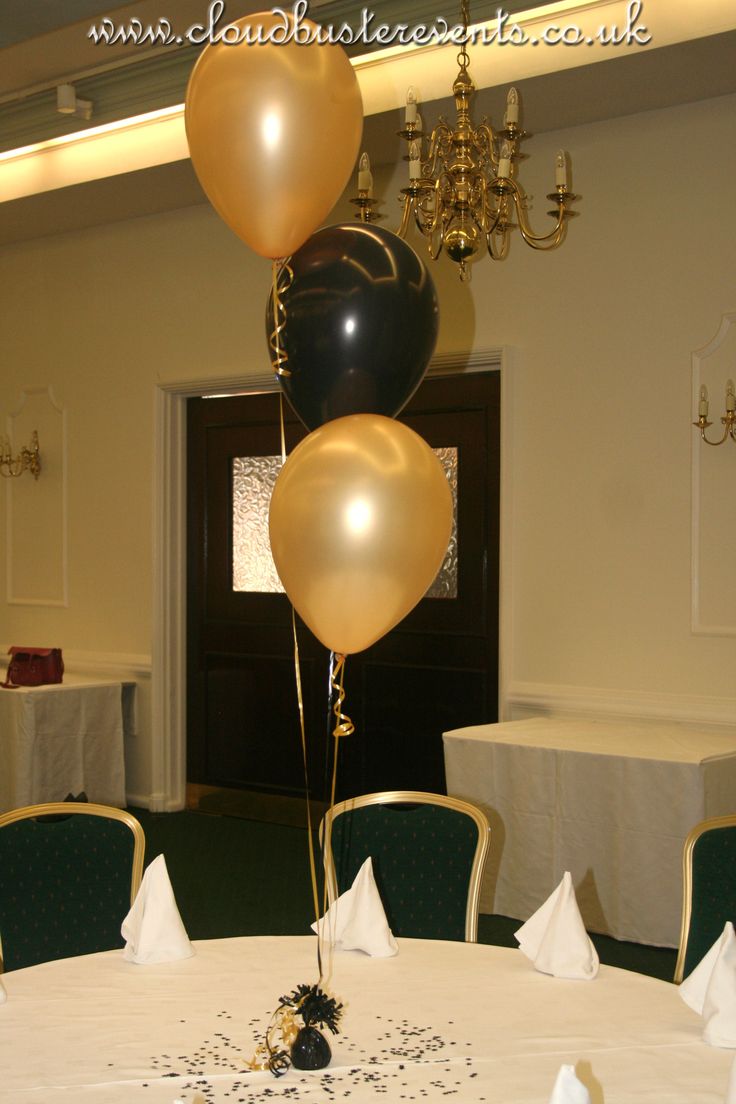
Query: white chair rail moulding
(36,510)
(532,699)
(168,789)
(713,578)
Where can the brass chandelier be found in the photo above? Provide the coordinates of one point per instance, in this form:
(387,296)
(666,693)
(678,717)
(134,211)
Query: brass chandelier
(464,195)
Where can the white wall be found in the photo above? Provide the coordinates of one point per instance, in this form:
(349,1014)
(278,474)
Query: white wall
(597,555)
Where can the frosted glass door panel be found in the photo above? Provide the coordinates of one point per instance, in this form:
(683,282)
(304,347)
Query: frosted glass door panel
(253,567)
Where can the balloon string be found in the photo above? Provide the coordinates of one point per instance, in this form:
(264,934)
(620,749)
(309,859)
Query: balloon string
(344,727)
(302,727)
(282,428)
(281,278)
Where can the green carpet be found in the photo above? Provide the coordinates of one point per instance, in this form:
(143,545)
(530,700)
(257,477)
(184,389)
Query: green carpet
(232,876)
(246,877)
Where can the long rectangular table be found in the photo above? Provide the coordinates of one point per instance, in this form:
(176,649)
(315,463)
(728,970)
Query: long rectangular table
(438,1022)
(612,802)
(61,739)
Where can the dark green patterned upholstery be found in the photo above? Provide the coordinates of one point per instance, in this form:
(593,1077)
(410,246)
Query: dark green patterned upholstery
(65,885)
(712,856)
(423,859)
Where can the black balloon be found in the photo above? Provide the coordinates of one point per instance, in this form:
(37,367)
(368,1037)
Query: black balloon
(361,320)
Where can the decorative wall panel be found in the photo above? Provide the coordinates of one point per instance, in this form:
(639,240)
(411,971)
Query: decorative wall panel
(37,508)
(713,480)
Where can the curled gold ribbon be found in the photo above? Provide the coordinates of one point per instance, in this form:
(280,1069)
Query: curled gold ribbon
(344,726)
(282,276)
(269,1055)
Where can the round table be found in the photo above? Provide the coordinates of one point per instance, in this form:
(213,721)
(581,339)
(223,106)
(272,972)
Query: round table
(437,1021)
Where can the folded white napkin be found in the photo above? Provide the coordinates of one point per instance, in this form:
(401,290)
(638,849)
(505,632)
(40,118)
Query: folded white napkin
(710,990)
(568,1089)
(153,929)
(356,921)
(555,939)
(3,992)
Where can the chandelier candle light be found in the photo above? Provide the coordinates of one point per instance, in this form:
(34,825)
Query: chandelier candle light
(464,194)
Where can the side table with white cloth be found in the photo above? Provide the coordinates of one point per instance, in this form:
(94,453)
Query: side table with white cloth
(459,1020)
(61,739)
(612,802)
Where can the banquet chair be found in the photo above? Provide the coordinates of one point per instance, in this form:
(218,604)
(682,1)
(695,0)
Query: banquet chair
(709,889)
(68,875)
(428,852)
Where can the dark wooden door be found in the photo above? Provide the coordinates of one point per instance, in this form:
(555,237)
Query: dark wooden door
(437,670)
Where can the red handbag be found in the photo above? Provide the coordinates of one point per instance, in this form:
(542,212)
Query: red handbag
(34,667)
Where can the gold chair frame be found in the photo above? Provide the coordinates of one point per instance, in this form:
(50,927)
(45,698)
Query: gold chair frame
(415,797)
(687,882)
(85,808)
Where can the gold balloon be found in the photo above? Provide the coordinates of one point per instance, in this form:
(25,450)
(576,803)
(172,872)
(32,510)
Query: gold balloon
(274,128)
(360,517)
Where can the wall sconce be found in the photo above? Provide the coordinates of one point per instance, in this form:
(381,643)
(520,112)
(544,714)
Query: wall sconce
(68,103)
(729,422)
(27,458)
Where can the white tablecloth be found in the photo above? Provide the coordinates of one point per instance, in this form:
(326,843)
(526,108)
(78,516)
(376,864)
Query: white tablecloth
(438,1021)
(610,802)
(56,740)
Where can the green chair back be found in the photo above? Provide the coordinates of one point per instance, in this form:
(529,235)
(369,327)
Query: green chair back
(67,882)
(709,879)
(428,853)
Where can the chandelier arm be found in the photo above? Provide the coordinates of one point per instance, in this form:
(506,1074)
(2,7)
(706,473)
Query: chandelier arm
(489,215)
(408,207)
(435,250)
(505,236)
(437,219)
(484,141)
(434,227)
(423,219)
(495,216)
(441,132)
(538,241)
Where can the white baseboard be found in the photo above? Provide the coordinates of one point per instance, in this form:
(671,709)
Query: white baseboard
(138,801)
(155,803)
(528,698)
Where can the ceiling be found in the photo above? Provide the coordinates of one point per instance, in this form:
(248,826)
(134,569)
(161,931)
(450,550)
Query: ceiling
(45,42)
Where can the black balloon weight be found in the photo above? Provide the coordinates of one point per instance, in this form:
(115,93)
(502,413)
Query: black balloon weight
(361,321)
(310,1050)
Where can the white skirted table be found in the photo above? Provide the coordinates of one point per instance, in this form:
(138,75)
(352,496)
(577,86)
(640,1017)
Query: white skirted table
(610,802)
(68,738)
(438,1021)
